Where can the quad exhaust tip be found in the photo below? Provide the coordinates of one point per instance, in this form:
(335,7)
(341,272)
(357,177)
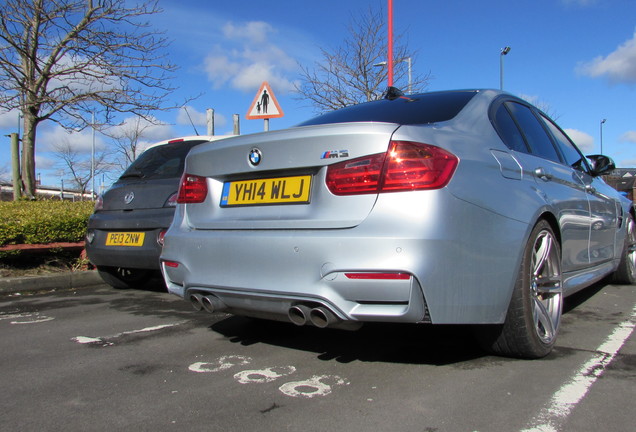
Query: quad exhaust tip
(320,316)
(196,301)
(208,303)
(299,314)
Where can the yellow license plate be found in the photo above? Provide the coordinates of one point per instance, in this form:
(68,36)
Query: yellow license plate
(280,190)
(125,239)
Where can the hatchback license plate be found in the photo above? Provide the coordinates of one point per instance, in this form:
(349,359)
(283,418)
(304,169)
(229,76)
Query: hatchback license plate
(280,190)
(125,239)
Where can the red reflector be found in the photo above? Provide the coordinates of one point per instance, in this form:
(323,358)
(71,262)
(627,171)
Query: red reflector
(172,264)
(391,276)
(193,189)
(406,166)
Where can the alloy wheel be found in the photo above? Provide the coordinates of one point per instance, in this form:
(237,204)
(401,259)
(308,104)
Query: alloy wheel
(545,286)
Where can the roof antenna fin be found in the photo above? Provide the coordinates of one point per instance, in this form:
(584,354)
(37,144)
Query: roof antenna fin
(392,93)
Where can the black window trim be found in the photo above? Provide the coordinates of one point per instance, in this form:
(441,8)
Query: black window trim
(544,117)
(538,115)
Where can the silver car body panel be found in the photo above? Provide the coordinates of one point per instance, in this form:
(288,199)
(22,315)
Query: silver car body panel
(461,244)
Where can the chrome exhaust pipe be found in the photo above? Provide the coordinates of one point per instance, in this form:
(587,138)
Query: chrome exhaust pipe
(197,301)
(212,303)
(322,317)
(298,314)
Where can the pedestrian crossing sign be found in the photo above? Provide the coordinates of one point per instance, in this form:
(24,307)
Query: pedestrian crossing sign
(265,105)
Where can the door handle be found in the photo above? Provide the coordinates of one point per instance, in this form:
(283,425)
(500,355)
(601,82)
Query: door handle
(540,172)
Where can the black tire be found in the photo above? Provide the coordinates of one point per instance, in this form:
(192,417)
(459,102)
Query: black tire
(625,273)
(124,278)
(534,314)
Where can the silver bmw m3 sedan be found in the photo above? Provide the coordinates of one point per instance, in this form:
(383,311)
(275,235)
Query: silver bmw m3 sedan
(456,207)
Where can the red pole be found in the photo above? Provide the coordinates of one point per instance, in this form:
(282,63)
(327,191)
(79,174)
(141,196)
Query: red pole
(390,44)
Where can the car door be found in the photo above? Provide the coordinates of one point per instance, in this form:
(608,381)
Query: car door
(603,208)
(558,183)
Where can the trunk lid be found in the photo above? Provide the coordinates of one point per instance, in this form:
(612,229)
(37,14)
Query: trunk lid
(302,153)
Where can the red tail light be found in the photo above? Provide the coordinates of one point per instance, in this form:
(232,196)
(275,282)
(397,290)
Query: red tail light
(193,189)
(406,166)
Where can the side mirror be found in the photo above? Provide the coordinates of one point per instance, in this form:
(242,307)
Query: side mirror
(601,164)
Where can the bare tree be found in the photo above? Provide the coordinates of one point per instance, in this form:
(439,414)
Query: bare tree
(66,60)
(356,71)
(127,139)
(77,166)
(5,173)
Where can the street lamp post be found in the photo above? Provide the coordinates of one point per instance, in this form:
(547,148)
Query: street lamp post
(602,122)
(504,51)
(408,61)
(93,162)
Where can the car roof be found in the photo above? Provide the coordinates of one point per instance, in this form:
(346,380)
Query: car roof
(202,138)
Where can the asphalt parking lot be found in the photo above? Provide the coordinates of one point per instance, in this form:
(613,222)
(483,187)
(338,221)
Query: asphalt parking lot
(89,357)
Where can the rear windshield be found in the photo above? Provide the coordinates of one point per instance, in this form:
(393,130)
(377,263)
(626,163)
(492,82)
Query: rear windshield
(163,161)
(414,109)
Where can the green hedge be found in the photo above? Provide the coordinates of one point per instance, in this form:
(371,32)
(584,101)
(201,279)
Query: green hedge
(35,222)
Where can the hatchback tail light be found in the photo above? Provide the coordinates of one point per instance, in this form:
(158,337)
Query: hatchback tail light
(193,189)
(99,203)
(406,166)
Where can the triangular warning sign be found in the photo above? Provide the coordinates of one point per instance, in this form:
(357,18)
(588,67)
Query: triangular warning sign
(264,105)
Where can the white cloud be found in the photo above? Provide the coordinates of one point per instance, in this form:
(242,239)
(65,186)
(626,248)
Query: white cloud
(9,120)
(151,130)
(629,136)
(248,57)
(81,74)
(199,118)
(583,141)
(80,141)
(618,66)
(5,173)
(45,163)
(627,163)
(253,31)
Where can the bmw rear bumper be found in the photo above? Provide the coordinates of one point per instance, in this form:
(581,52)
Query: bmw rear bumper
(462,270)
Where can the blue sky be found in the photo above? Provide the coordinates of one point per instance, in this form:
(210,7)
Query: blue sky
(574,58)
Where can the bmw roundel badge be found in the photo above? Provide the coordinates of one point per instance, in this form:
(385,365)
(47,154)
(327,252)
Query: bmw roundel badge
(255,156)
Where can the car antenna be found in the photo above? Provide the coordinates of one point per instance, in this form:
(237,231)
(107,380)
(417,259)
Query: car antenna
(191,122)
(392,93)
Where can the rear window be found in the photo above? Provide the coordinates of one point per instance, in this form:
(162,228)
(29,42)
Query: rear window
(164,161)
(412,109)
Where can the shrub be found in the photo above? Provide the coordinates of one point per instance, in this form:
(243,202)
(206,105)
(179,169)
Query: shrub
(34,222)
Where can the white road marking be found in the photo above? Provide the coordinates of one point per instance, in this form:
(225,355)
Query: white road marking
(86,340)
(317,385)
(221,364)
(260,376)
(312,387)
(551,417)
(105,339)
(18,318)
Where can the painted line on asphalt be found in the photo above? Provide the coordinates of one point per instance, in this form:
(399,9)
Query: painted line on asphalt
(107,340)
(551,417)
(20,318)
